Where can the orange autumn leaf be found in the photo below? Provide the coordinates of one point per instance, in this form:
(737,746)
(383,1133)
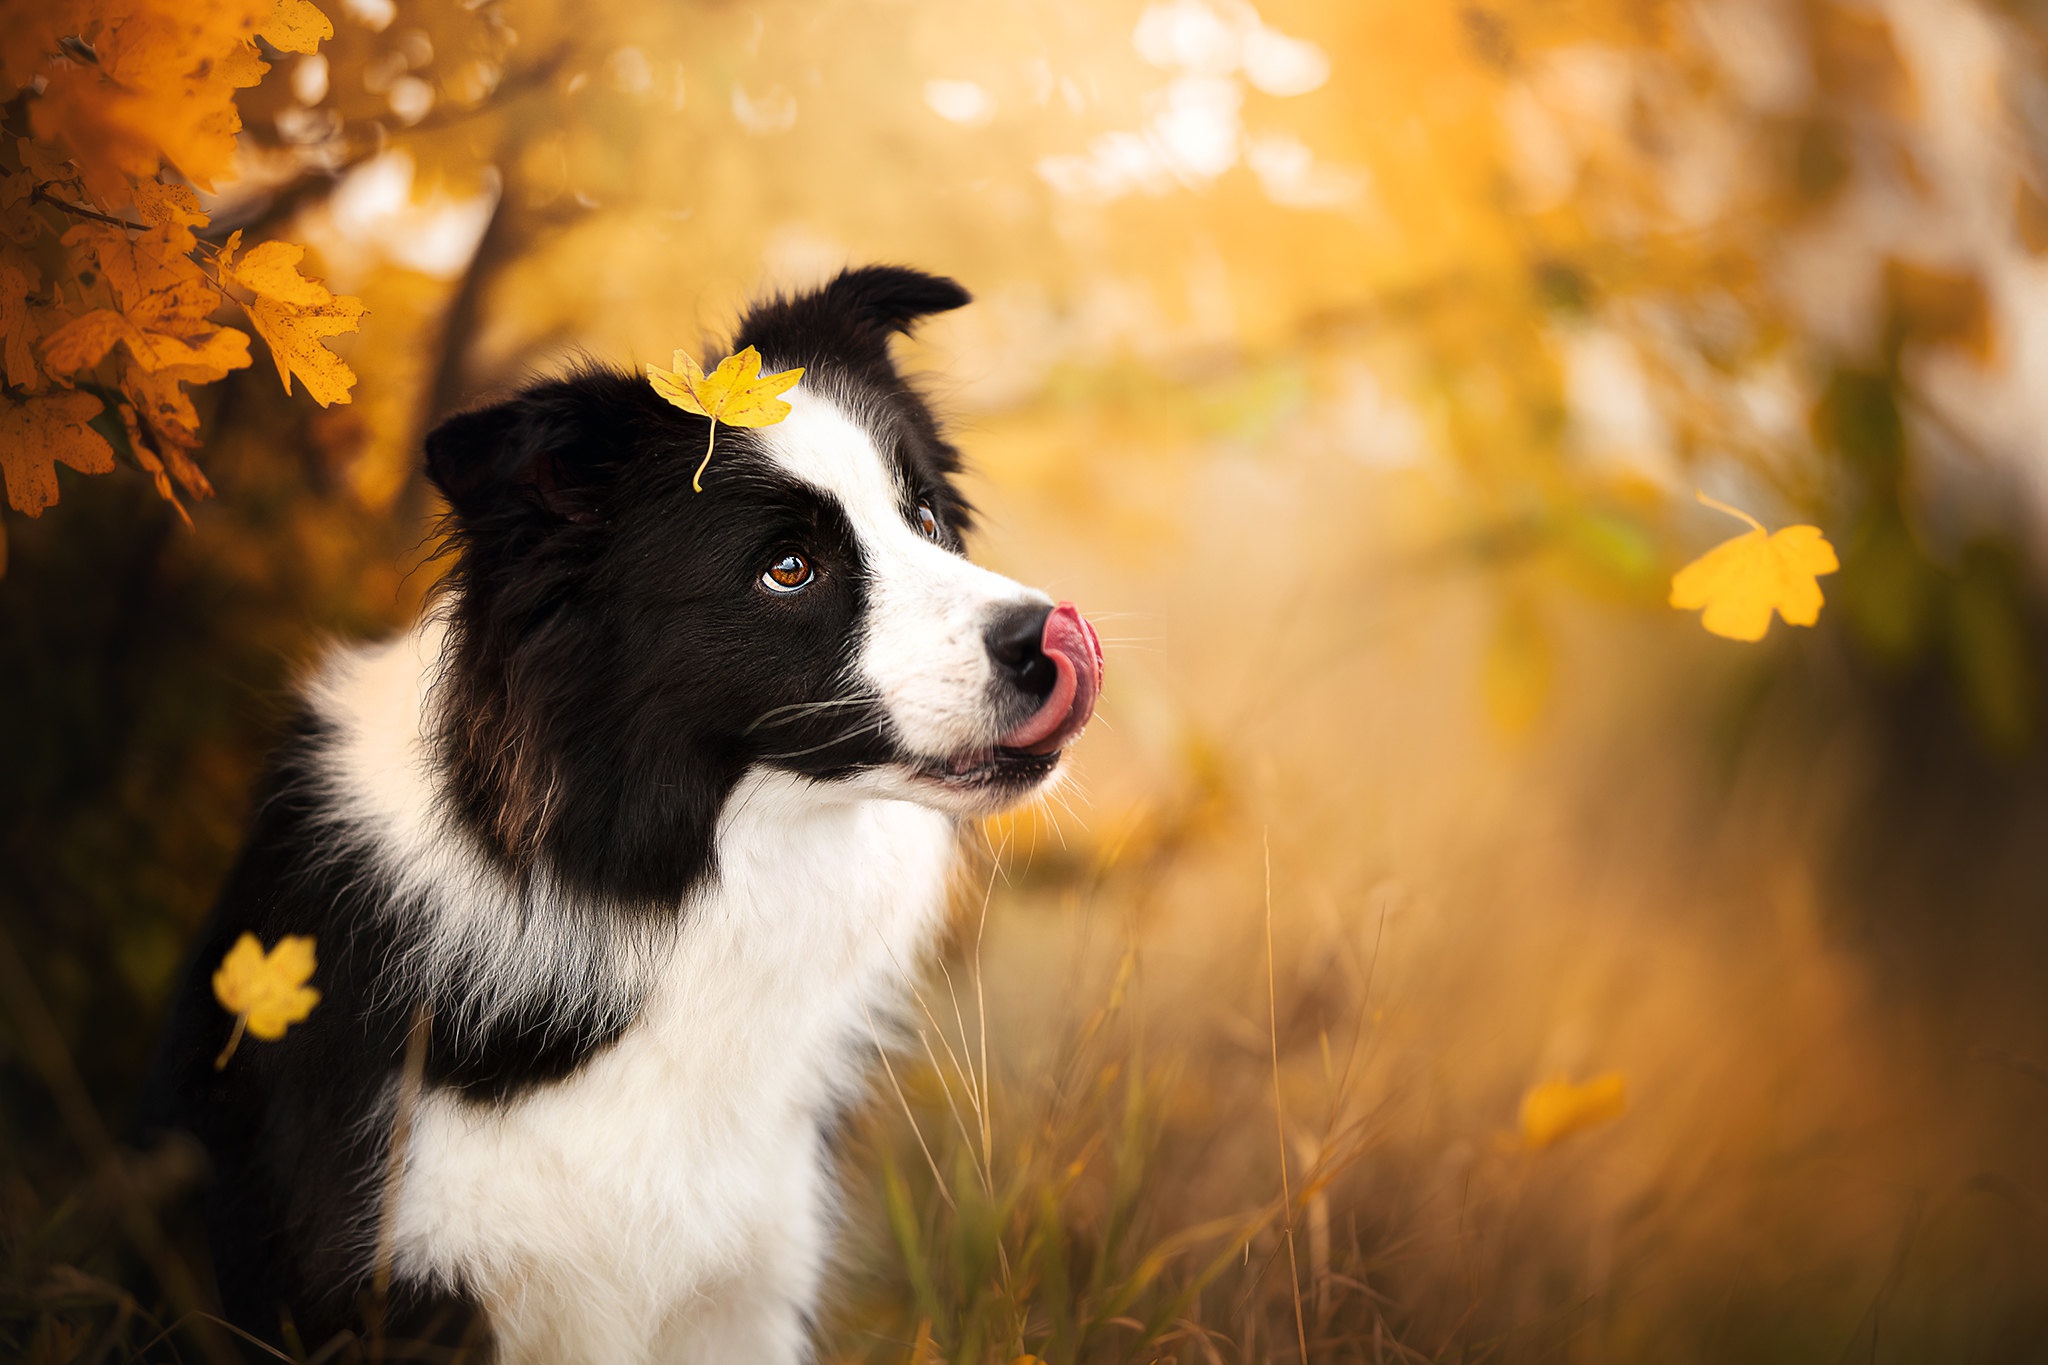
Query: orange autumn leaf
(160,88)
(292,314)
(1558,1108)
(1740,582)
(736,393)
(39,433)
(84,342)
(296,26)
(266,992)
(17,354)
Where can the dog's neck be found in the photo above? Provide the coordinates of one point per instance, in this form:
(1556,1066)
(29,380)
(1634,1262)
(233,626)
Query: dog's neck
(805,871)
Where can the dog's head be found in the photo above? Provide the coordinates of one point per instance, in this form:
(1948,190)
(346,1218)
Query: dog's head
(625,649)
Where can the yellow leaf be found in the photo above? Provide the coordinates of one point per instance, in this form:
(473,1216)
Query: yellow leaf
(166,409)
(16,334)
(171,207)
(44,165)
(137,267)
(267,990)
(242,67)
(296,26)
(218,351)
(37,434)
(152,464)
(82,342)
(1558,1108)
(736,393)
(161,88)
(170,423)
(1740,582)
(292,313)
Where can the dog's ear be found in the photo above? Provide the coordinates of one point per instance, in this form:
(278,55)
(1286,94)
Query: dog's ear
(543,453)
(849,319)
(893,297)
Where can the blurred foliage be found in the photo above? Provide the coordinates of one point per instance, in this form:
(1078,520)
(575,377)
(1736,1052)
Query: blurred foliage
(128,107)
(1366,357)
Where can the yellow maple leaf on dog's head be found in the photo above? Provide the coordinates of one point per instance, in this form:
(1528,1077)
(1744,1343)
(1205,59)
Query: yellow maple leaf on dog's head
(266,992)
(736,393)
(1740,582)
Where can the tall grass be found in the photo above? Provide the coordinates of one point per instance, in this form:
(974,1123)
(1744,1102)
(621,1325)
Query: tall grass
(1785,899)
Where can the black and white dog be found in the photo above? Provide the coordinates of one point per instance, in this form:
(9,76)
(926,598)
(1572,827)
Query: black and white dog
(644,821)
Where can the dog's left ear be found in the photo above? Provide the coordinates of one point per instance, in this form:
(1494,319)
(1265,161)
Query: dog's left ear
(543,454)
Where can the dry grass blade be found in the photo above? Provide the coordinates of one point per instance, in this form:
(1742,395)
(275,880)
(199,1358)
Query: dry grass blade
(1279,1112)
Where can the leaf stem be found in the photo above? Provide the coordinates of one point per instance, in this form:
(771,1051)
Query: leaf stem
(220,1063)
(1720,506)
(697,479)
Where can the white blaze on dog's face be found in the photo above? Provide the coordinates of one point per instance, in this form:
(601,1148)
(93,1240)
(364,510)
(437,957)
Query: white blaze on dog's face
(626,646)
(982,680)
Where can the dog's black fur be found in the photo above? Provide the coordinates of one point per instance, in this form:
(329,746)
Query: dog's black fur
(609,679)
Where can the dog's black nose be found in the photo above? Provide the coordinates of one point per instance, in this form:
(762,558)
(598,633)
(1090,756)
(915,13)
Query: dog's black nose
(1015,640)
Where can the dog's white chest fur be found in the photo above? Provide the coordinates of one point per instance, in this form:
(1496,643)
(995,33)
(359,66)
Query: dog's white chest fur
(668,1201)
(672,1194)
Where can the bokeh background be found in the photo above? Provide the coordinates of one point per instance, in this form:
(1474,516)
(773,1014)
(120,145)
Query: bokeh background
(1354,363)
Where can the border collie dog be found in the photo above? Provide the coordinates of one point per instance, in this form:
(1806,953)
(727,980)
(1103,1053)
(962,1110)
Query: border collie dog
(638,830)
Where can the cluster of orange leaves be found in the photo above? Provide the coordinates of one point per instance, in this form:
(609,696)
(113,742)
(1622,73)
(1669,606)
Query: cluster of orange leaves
(110,298)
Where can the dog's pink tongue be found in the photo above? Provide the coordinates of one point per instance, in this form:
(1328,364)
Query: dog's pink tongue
(1076,654)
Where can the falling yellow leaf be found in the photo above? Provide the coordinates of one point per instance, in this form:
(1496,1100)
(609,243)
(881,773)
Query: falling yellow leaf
(736,393)
(292,313)
(1558,1108)
(266,992)
(1742,581)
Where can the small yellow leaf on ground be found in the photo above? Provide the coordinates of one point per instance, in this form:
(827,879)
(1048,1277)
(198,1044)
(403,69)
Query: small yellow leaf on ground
(37,434)
(736,393)
(1558,1108)
(267,991)
(293,313)
(1740,582)
(296,26)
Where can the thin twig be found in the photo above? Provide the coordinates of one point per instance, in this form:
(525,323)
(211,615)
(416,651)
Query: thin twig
(930,1160)
(42,196)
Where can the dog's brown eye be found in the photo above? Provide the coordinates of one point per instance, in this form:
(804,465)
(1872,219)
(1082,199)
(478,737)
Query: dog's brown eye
(791,573)
(926,522)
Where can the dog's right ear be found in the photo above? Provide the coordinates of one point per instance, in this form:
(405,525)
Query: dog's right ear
(533,454)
